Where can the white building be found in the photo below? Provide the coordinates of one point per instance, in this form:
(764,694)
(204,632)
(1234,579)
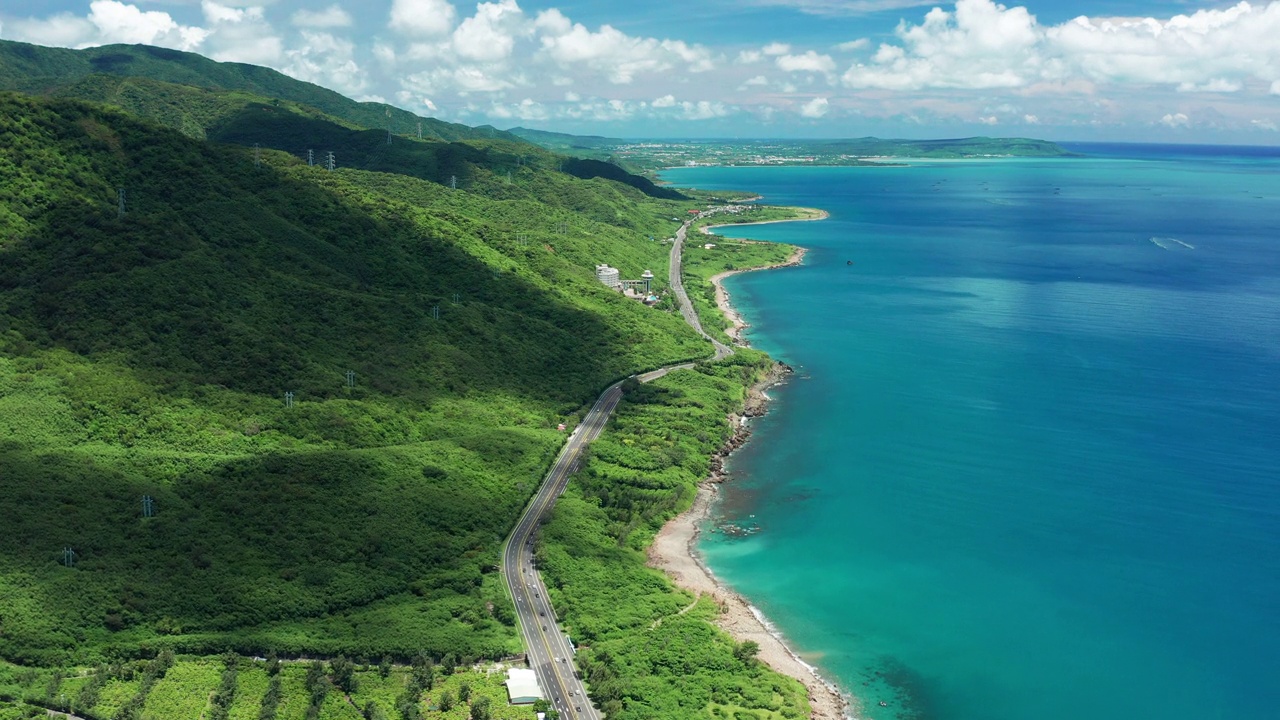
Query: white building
(522,686)
(608,276)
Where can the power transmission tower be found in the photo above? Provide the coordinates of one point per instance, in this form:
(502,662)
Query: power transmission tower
(329,162)
(456,297)
(120,203)
(508,177)
(522,239)
(435,312)
(453,182)
(148,507)
(288,399)
(257,155)
(563,228)
(419,129)
(68,557)
(311,158)
(351,378)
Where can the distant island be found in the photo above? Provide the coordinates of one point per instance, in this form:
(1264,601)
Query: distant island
(648,156)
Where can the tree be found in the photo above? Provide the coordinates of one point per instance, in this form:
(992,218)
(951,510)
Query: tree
(480,708)
(446,701)
(746,651)
(344,673)
(384,667)
(464,692)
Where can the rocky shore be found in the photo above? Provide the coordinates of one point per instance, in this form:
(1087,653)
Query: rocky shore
(674,551)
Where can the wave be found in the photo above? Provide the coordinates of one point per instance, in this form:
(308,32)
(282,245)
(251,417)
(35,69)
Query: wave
(1172,244)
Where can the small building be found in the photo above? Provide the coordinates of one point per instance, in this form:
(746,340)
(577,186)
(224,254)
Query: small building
(522,687)
(608,276)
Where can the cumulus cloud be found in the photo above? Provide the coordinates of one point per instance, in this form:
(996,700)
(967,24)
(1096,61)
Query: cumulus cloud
(331,17)
(853,45)
(808,62)
(815,108)
(241,35)
(327,60)
(1030,119)
(702,110)
(422,18)
(611,52)
(108,22)
(984,45)
(491,33)
(776,48)
(1175,120)
(1263,125)
(665,101)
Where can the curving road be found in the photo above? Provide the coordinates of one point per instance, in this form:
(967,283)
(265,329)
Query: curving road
(550,650)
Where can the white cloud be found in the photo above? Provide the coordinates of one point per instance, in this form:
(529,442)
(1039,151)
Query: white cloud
(702,110)
(108,22)
(612,53)
(1175,120)
(1264,125)
(756,81)
(776,48)
(422,18)
(989,120)
(843,7)
(665,101)
(853,45)
(327,60)
(815,108)
(808,62)
(983,45)
(330,17)
(572,97)
(746,57)
(241,35)
(527,109)
(1030,119)
(491,33)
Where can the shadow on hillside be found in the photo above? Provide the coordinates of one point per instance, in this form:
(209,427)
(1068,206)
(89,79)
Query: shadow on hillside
(223,274)
(273,539)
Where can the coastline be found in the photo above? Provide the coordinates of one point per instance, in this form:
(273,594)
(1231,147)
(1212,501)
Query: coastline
(674,551)
(674,548)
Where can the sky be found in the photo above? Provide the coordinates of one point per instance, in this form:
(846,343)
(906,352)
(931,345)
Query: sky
(1185,71)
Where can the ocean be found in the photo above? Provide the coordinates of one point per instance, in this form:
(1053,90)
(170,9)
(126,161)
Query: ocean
(1029,464)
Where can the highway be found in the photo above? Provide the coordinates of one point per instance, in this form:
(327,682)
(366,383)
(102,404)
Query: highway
(550,650)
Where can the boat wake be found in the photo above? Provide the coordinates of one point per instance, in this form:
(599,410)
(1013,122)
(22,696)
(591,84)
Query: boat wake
(1171,244)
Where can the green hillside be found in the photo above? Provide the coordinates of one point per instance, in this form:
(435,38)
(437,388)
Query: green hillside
(149,354)
(38,69)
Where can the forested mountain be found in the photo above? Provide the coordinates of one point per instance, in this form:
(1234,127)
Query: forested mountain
(38,69)
(254,406)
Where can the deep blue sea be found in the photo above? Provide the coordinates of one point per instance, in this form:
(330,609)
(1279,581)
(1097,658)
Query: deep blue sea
(1029,466)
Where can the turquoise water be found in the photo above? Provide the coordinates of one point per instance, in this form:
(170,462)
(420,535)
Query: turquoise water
(1028,466)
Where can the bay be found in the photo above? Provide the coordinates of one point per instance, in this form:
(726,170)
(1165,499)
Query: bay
(1028,464)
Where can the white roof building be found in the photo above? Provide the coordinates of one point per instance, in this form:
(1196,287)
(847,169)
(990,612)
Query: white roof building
(522,686)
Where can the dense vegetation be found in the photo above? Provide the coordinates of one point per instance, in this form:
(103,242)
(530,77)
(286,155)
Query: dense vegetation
(149,354)
(166,505)
(37,69)
(652,652)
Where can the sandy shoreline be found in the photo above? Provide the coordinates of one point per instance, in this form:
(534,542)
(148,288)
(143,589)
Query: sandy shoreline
(674,550)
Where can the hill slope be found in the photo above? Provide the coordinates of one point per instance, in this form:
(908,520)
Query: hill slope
(149,354)
(38,69)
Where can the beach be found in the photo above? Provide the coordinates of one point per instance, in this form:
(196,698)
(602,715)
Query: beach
(674,550)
